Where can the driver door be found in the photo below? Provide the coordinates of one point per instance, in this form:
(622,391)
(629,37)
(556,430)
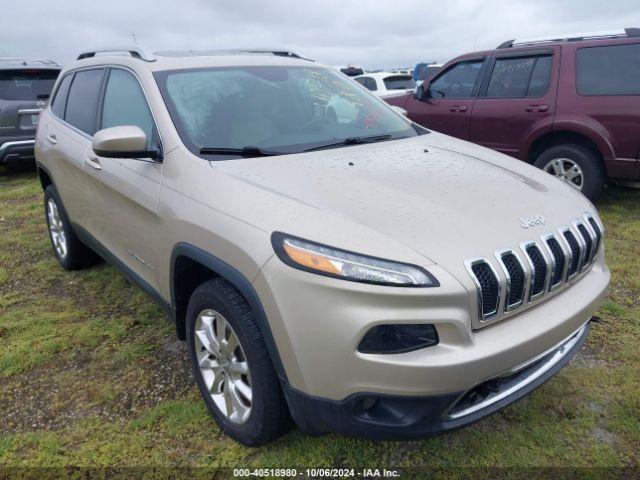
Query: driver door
(124,191)
(448,101)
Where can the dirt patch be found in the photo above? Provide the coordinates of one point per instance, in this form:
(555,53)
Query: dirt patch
(51,397)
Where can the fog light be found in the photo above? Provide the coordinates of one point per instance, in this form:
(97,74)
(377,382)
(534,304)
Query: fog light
(398,338)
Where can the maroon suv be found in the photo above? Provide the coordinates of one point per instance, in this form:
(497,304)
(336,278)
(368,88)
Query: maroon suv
(569,105)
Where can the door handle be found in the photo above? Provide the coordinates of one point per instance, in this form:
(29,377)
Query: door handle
(93,162)
(458,108)
(537,108)
(51,138)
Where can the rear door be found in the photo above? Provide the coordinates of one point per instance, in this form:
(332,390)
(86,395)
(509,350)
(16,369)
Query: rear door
(516,98)
(67,138)
(23,95)
(124,191)
(448,104)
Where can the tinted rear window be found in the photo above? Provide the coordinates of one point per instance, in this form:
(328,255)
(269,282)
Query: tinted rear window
(368,82)
(611,70)
(27,85)
(82,104)
(520,77)
(400,82)
(60,100)
(540,77)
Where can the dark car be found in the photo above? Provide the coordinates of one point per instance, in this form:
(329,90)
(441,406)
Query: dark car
(570,104)
(25,86)
(351,71)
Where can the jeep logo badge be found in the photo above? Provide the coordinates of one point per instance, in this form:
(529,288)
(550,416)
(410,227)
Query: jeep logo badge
(528,222)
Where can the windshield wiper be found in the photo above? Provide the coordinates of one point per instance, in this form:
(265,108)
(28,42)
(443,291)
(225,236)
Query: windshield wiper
(351,141)
(258,152)
(243,152)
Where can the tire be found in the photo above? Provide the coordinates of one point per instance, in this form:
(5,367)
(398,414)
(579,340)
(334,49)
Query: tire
(75,255)
(216,302)
(587,161)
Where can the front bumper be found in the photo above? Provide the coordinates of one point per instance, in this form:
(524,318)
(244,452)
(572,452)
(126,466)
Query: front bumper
(318,322)
(388,417)
(15,151)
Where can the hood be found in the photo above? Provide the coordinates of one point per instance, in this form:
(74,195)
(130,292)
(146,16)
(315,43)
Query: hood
(446,199)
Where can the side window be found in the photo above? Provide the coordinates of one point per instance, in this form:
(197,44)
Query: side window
(457,82)
(368,82)
(125,104)
(611,70)
(82,104)
(520,77)
(60,100)
(540,77)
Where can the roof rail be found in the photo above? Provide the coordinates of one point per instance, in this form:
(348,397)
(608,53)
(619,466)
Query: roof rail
(572,37)
(277,53)
(135,51)
(231,51)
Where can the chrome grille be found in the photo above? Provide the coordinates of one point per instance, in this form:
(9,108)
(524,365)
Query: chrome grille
(539,270)
(588,244)
(515,275)
(559,261)
(574,247)
(488,285)
(597,232)
(536,269)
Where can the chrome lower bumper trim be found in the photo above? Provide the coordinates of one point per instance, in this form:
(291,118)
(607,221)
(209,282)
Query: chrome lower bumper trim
(547,360)
(19,143)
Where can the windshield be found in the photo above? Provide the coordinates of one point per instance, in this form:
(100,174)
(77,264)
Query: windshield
(279,109)
(26,85)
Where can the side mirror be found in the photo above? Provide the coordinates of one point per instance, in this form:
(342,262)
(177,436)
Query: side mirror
(422,92)
(127,141)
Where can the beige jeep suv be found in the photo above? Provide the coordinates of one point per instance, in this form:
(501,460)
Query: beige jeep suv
(327,261)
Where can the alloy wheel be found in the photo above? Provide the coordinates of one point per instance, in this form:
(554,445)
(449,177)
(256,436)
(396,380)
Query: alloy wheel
(566,170)
(223,366)
(56,229)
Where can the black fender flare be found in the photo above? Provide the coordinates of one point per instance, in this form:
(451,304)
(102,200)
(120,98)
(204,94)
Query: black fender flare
(240,282)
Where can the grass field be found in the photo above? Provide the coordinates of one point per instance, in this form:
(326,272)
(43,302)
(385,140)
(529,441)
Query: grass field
(91,374)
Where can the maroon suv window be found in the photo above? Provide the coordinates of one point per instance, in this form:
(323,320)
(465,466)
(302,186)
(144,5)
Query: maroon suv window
(610,70)
(458,81)
(520,77)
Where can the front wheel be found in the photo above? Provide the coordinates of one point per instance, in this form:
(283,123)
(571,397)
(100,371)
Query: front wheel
(232,366)
(575,165)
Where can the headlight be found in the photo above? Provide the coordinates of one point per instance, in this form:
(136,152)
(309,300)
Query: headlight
(333,262)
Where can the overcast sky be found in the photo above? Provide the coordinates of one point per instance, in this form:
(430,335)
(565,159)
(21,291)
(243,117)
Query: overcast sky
(368,33)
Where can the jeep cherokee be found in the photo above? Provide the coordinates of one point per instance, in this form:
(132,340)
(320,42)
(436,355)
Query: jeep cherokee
(355,273)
